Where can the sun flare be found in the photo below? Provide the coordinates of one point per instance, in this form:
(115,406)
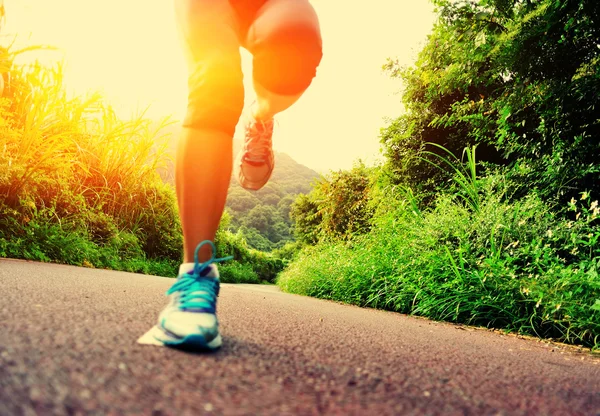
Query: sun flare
(129,51)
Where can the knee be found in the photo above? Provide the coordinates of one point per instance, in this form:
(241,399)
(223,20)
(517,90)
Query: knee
(216,97)
(286,61)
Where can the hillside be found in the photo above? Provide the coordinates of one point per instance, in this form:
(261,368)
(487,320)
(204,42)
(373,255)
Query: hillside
(261,216)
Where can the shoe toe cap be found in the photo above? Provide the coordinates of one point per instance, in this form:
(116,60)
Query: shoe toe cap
(183,323)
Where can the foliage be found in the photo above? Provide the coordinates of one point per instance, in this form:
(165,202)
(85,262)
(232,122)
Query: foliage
(338,207)
(77,184)
(307,217)
(248,265)
(521,79)
(507,264)
(41,235)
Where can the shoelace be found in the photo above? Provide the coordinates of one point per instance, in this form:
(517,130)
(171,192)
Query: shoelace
(197,292)
(258,142)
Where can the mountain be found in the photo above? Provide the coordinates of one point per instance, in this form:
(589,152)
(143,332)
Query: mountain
(261,216)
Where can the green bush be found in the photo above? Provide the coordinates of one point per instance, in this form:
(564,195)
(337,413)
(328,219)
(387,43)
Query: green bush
(338,207)
(78,185)
(288,252)
(235,272)
(259,267)
(520,79)
(513,265)
(41,235)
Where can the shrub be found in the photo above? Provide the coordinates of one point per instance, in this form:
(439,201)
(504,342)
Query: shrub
(77,184)
(473,255)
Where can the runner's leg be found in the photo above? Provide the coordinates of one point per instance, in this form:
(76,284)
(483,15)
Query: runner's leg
(215,102)
(285,40)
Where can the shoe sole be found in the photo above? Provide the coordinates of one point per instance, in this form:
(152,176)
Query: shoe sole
(191,342)
(243,181)
(196,342)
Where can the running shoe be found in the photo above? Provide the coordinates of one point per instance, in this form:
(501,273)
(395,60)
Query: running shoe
(255,162)
(189,320)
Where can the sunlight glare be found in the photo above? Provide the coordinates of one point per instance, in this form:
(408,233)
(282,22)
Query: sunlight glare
(129,50)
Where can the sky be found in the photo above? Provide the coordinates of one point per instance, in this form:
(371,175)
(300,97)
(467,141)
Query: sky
(129,50)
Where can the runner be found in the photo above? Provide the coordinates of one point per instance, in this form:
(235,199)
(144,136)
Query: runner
(284,38)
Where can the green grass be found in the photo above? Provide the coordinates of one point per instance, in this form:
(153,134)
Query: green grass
(80,186)
(47,238)
(474,256)
(248,265)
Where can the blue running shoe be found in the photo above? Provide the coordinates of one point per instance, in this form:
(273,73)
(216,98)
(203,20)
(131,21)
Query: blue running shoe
(189,321)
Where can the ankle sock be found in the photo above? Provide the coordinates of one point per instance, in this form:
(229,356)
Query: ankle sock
(185,268)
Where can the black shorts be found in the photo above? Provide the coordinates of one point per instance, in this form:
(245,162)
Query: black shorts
(282,35)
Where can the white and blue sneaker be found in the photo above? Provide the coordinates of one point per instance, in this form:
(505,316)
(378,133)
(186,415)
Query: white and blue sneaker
(189,320)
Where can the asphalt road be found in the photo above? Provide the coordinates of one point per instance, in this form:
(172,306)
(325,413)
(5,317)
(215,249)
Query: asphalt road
(68,346)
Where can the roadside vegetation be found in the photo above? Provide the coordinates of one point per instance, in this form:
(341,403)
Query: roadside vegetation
(474,256)
(80,186)
(486,209)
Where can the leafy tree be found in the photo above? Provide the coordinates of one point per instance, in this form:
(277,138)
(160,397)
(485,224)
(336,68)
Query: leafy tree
(255,239)
(240,200)
(338,207)
(345,207)
(307,217)
(284,206)
(520,79)
(260,218)
(271,199)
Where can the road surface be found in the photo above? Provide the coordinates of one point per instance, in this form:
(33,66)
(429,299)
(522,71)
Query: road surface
(68,346)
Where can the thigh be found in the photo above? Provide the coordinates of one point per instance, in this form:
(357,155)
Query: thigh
(209,31)
(246,11)
(285,39)
(208,28)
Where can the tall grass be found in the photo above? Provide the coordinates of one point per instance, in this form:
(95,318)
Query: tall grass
(79,185)
(464,174)
(473,256)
